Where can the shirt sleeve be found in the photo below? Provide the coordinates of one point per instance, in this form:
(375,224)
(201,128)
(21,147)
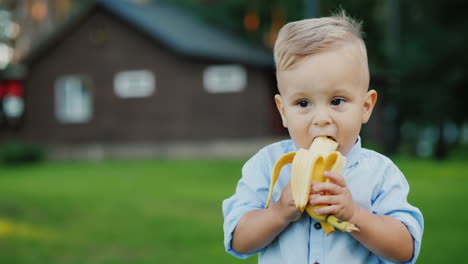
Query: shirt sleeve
(391,200)
(251,193)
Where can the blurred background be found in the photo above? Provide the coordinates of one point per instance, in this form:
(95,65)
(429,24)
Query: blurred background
(125,123)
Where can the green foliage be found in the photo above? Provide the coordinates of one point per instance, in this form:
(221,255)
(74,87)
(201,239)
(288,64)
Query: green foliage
(373,15)
(434,61)
(460,152)
(229,14)
(375,146)
(170,211)
(18,152)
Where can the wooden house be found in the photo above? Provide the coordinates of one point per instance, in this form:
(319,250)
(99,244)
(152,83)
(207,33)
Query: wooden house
(122,72)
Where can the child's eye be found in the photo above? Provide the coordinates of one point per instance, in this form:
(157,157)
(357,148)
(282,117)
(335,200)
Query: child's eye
(337,101)
(303,103)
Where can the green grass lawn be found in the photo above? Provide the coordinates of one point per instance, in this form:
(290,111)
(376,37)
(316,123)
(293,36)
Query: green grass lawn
(170,211)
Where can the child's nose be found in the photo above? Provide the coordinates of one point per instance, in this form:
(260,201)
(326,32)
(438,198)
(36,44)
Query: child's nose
(322,118)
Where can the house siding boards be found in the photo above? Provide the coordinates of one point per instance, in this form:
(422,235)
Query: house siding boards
(179,108)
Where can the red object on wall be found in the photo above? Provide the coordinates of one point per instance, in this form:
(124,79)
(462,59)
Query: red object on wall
(14,88)
(3,86)
(12,101)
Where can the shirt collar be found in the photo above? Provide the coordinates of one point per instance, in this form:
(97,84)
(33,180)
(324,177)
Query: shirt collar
(352,158)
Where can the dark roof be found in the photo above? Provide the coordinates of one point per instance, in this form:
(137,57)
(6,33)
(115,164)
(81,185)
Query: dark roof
(176,29)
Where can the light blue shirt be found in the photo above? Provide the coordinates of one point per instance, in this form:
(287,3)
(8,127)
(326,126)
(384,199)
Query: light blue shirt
(375,183)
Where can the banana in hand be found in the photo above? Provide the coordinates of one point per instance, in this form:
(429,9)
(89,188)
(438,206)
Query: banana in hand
(308,166)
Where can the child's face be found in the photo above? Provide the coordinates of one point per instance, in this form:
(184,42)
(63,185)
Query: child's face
(326,95)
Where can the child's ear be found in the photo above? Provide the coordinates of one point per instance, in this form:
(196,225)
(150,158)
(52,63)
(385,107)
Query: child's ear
(280,106)
(368,106)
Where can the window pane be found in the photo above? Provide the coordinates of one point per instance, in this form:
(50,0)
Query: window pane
(225,78)
(72,100)
(134,84)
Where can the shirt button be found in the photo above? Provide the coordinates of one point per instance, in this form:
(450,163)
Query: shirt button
(317,226)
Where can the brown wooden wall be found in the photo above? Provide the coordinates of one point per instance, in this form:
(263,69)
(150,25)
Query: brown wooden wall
(179,108)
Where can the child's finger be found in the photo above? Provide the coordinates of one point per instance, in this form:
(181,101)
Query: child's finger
(335,177)
(326,187)
(312,191)
(316,199)
(327,210)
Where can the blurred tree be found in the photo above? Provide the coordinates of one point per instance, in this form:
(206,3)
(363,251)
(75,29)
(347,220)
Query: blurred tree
(33,19)
(374,16)
(434,64)
(273,14)
(9,31)
(234,14)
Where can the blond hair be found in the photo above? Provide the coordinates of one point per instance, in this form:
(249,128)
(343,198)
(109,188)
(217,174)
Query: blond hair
(297,40)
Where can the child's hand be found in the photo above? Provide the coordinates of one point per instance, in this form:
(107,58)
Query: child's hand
(339,199)
(286,207)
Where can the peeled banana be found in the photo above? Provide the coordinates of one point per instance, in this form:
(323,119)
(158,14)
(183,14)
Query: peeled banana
(308,166)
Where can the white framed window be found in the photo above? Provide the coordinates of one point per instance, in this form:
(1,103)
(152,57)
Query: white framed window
(225,78)
(134,84)
(73,100)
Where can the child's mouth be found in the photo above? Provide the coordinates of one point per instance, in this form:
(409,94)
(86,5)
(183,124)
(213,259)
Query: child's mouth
(329,137)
